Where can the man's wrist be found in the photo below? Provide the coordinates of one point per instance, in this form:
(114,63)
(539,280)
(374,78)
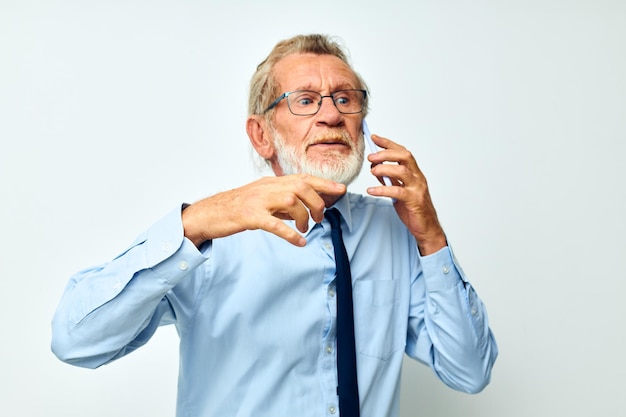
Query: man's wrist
(429,246)
(196,238)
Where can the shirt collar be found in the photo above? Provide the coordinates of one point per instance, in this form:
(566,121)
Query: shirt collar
(343,205)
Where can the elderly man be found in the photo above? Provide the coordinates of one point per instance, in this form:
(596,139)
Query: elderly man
(291,296)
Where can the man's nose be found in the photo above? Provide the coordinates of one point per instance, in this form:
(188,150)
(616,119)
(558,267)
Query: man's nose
(328,112)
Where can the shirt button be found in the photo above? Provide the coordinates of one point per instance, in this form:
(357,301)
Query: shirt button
(329,349)
(474,311)
(182,265)
(445,269)
(331,293)
(332,409)
(166,247)
(328,246)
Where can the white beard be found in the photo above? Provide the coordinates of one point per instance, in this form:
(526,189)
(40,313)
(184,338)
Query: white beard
(339,168)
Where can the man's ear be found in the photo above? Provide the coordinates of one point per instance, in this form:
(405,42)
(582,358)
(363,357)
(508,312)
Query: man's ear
(257,129)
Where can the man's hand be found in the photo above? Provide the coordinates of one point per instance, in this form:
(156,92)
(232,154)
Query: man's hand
(262,205)
(410,190)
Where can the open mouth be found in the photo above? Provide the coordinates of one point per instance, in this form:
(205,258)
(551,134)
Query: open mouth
(330,143)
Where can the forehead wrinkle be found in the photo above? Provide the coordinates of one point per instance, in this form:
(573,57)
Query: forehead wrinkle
(337,87)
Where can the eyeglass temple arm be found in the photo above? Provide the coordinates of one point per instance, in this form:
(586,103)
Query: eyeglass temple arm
(271,106)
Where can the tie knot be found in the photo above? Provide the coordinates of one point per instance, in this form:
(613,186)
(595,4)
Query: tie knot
(334,218)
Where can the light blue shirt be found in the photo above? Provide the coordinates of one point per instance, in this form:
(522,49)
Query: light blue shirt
(256,315)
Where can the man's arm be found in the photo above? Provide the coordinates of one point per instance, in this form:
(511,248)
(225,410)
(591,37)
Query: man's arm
(110,310)
(448,326)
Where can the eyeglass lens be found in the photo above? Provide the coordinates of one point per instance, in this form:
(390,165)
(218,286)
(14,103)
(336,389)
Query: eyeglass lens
(309,102)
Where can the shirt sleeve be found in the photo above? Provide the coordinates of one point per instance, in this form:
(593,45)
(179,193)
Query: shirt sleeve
(112,309)
(448,324)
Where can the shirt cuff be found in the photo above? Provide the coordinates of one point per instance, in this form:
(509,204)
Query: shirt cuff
(186,259)
(170,253)
(441,270)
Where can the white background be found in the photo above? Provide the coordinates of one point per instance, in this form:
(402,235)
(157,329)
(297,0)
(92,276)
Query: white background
(113,112)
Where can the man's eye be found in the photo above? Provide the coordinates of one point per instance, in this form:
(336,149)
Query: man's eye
(305,101)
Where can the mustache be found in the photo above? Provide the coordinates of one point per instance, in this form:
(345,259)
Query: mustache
(331,136)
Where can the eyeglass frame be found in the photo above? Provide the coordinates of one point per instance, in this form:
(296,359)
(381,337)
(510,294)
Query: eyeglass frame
(319,103)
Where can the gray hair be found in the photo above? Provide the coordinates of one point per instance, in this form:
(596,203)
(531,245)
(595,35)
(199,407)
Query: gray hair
(263,86)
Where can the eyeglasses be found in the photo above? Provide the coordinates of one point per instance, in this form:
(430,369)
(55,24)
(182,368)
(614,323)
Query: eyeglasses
(307,103)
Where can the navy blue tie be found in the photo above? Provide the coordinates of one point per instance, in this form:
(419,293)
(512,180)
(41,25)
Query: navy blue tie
(347,389)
